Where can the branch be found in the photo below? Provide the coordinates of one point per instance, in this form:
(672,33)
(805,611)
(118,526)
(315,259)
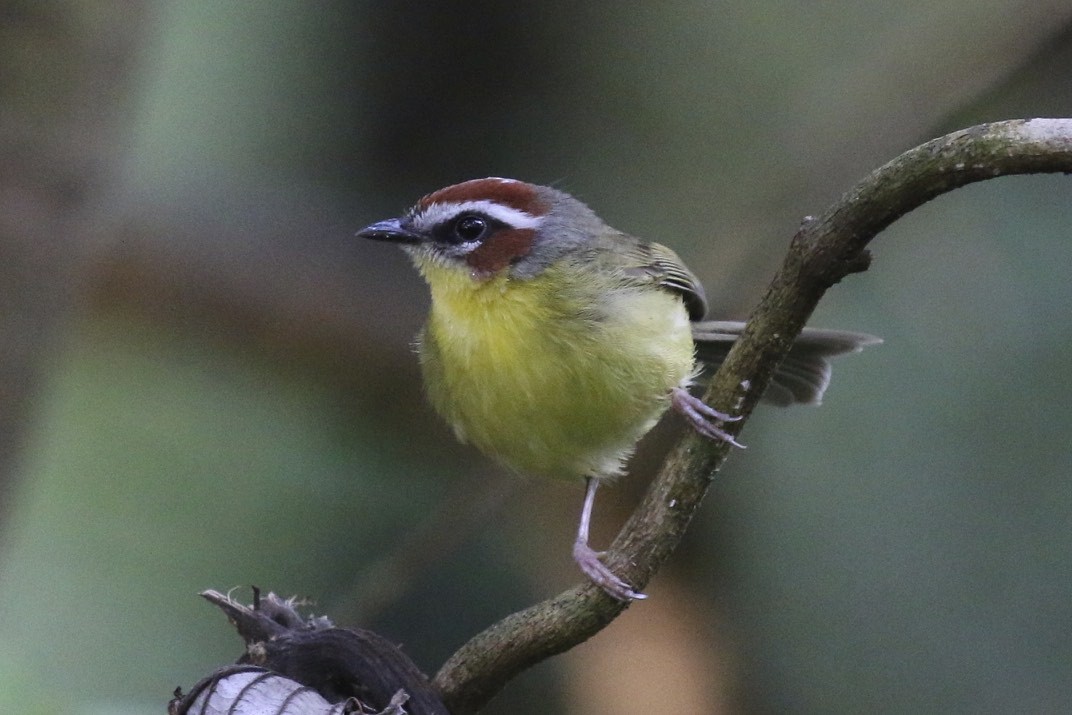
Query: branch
(824,250)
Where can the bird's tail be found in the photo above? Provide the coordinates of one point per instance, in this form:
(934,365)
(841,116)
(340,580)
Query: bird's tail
(803,376)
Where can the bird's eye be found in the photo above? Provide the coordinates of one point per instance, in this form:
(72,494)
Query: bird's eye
(470,227)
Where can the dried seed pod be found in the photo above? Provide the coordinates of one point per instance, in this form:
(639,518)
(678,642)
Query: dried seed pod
(250,690)
(306,666)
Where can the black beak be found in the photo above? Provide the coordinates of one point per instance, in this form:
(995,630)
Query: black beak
(390,230)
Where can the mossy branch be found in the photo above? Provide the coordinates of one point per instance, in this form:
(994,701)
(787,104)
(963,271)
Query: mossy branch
(824,250)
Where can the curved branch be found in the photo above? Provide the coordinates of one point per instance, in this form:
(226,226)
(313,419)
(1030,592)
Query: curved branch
(823,251)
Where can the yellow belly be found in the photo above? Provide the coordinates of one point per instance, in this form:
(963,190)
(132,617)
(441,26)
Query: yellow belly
(552,381)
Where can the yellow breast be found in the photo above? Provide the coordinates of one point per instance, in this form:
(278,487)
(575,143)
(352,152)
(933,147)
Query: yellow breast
(558,375)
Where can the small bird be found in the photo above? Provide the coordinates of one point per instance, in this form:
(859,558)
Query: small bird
(555,342)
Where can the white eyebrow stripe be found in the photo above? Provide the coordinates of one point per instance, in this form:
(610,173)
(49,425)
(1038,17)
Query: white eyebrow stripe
(438,213)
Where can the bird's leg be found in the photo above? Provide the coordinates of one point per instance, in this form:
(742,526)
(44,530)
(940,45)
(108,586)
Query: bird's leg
(588,559)
(703,418)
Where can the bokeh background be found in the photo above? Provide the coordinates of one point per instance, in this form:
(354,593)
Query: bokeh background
(206,382)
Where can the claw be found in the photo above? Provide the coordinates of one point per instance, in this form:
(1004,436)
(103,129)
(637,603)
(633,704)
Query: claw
(589,559)
(600,575)
(703,417)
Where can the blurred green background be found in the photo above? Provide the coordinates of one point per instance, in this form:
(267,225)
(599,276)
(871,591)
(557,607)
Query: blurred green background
(208,383)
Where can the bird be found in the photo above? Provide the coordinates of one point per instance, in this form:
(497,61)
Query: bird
(555,342)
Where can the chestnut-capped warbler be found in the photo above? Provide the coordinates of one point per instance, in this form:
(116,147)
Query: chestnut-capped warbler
(554,341)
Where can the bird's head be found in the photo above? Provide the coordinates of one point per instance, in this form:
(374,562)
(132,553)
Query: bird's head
(486,227)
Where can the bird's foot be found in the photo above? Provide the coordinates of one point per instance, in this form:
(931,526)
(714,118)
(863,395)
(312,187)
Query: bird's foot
(703,418)
(589,561)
